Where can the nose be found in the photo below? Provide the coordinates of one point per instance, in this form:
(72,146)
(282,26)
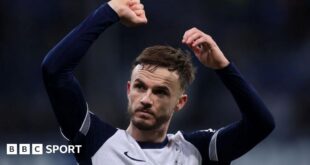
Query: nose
(146,100)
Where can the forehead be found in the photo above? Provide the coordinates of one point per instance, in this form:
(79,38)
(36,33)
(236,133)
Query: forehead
(156,75)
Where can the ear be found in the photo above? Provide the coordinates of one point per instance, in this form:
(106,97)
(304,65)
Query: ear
(128,87)
(181,102)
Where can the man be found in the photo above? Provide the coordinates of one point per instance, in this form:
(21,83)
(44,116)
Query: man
(155,92)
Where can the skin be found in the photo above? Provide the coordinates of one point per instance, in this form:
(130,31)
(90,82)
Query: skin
(130,12)
(205,49)
(155,95)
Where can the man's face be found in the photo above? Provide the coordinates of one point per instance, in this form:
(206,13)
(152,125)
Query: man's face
(153,95)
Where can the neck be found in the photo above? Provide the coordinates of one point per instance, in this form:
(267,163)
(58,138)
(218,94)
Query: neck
(155,136)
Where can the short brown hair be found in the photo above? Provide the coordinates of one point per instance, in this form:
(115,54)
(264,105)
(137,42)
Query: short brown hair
(171,58)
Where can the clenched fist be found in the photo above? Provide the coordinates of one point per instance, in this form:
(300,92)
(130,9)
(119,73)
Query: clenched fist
(130,12)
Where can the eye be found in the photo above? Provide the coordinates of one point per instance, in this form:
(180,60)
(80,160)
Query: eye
(139,86)
(161,92)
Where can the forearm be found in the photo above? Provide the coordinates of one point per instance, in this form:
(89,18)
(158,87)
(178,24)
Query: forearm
(256,123)
(62,87)
(249,103)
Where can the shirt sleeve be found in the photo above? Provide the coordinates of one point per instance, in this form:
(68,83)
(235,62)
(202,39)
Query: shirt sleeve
(256,121)
(98,133)
(222,146)
(63,89)
(205,143)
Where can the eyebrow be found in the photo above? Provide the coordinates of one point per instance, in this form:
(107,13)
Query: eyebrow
(162,88)
(139,81)
(157,87)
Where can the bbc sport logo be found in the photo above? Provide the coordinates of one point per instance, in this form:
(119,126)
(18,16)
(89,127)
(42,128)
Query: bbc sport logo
(40,149)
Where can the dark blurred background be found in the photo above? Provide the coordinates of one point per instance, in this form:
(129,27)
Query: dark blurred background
(269,40)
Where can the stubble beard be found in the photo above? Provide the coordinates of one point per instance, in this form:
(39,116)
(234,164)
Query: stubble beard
(142,125)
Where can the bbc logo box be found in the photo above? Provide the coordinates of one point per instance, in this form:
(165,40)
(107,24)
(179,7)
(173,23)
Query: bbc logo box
(24,149)
(11,149)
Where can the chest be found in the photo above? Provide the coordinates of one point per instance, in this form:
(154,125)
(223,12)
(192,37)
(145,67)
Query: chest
(122,150)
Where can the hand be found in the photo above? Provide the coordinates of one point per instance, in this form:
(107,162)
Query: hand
(205,49)
(130,12)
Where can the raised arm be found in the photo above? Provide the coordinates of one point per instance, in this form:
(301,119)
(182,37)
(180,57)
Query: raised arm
(62,87)
(256,123)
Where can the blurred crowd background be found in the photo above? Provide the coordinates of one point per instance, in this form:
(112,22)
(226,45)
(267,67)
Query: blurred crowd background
(269,40)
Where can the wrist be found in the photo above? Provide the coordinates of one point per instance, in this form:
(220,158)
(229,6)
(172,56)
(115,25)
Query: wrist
(115,7)
(222,64)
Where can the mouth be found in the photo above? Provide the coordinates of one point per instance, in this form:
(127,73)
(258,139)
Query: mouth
(144,113)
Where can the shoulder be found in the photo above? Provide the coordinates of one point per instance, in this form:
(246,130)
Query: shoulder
(199,140)
(199,135)
(92,135)
(204,141)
